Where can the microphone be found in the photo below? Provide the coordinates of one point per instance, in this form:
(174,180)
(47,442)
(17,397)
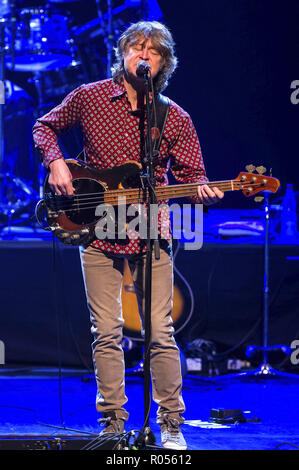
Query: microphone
(142,68)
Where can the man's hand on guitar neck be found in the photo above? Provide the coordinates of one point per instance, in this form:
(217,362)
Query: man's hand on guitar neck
(60,178)
(209,196)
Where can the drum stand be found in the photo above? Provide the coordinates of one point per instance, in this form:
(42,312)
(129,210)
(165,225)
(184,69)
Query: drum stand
(8,208)
(40,171)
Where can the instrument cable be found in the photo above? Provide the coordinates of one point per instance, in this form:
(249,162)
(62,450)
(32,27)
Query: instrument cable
(55,291)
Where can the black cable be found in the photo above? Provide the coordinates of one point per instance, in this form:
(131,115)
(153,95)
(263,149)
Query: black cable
(211,272)
(69,323)
(19,408)
(105,438)
(55,298)
(55,295)
(66,428)
(255,326)
(238,345)
(45,424)
(78,409)
(284,444)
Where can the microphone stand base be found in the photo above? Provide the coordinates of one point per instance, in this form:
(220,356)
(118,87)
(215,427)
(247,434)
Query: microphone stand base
(146,440)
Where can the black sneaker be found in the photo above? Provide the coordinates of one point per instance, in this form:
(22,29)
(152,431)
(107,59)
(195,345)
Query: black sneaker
(171,435)
(113,425)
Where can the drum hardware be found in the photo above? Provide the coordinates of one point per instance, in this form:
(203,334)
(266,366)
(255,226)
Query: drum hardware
(17,198)
(15,195)
(102,25)
(5,8)
(3,52)
(40,40)
(109,39)
(50,84)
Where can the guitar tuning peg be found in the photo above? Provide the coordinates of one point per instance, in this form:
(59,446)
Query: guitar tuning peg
(258,198)
(250,168)
(261,170)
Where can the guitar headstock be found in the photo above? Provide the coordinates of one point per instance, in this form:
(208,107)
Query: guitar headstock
(252,183)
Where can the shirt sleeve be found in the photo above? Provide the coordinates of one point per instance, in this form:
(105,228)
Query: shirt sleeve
(185,151)
(59,119)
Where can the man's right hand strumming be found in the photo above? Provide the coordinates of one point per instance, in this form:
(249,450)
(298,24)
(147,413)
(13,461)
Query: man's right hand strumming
(60,178)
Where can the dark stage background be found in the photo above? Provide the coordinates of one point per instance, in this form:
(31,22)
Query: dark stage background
(237,60)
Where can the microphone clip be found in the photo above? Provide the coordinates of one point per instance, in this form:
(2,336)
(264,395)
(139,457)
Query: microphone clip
(143,69)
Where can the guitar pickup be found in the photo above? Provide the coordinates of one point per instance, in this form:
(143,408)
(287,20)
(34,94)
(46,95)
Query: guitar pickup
(58,203)
(50,201)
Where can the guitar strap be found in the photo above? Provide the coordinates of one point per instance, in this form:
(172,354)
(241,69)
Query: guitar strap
(162,109)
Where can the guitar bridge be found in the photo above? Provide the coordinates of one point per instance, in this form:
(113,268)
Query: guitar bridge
(50,201)
(59,203)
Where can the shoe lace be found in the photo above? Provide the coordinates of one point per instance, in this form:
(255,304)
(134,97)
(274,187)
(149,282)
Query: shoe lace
(111,423)
(172,425)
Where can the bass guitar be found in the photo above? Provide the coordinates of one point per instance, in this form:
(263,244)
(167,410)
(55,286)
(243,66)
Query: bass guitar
(73,220)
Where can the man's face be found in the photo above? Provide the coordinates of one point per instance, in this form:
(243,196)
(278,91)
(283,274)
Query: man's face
(144,50)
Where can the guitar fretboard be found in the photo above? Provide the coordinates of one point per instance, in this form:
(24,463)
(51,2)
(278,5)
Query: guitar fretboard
(133,196)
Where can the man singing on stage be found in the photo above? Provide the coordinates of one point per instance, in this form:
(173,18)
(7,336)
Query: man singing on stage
(112,116)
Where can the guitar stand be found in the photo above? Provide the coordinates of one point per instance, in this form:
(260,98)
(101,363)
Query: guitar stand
(264,369)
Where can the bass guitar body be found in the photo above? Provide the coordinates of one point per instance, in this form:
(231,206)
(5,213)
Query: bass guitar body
(73,219)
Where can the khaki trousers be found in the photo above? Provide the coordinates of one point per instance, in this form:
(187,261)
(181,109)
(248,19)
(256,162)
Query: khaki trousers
(103,273)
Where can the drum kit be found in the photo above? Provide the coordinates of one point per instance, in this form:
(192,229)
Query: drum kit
(41,43)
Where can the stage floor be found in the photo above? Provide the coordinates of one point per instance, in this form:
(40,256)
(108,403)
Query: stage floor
(36,403)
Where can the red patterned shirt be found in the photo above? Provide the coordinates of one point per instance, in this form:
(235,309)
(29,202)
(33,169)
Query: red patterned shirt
(112,136)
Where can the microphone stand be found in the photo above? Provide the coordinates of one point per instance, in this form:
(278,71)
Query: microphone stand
(146,436)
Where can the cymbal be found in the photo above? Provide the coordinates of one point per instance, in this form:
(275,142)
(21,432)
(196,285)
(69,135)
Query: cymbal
(41,63)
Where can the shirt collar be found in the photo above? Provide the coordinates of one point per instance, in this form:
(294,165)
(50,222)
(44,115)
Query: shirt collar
(118,90)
